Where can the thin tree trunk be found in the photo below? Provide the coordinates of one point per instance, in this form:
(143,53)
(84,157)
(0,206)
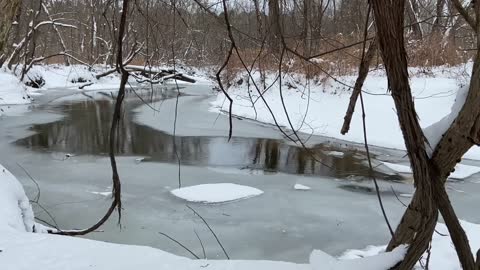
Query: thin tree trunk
(307,27)
(362,76)
(274,26)
(9,9)
(438,20)
(412,9)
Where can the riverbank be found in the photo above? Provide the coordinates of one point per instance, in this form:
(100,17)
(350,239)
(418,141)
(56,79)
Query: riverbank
(318,107)
(282,224)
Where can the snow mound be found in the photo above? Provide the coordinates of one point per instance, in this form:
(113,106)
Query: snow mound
(301,187)
(15,211)
(12,91)
(216,193)
(461,171)
(320,260)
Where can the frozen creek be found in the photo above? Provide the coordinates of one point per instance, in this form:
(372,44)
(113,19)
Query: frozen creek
(339,212)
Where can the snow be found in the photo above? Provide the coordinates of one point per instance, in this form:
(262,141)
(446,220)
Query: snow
(335,154)
(319,260)
(216,193)
(15,211)
(59,253)
(73,76)
(301,187)
(318,106)
(12,91)
(462,171)
(435,131)
(443,254)
(398,167)
(102,193)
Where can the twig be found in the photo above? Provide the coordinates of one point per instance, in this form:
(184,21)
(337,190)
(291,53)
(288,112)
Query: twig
(37,198)
(180,244)
(208,226)
(377,189)
(201,244)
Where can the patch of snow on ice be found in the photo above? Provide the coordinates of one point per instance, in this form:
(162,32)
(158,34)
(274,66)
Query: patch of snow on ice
(335,154)
(464,171)
(106,193)
(461,171)
(216,193)
(398,167)
(301,187)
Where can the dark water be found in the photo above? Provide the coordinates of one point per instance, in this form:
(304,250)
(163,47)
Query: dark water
(85,130)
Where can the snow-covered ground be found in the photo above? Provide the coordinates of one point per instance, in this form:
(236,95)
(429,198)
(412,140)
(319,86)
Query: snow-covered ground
(12,92)
(75,77)
(318,107)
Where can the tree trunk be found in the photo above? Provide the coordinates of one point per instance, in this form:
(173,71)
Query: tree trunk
(362,76)
(419,221)
(307,27)
(438,20)
(412,10)
(274,31)
(8,12)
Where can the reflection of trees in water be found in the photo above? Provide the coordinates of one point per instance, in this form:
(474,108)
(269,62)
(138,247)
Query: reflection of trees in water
(85,130)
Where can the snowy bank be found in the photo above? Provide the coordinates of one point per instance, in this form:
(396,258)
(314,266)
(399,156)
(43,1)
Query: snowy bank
(216,193)
(15,211)
(319,107)
(12,92)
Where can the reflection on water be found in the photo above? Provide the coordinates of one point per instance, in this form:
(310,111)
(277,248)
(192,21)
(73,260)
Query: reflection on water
(85,130)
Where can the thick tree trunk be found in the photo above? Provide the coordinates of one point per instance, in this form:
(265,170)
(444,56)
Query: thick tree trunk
(419,222)
(430,174)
